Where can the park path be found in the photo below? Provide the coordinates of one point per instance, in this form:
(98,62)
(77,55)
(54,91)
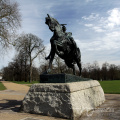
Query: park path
(16,87)
(10,101)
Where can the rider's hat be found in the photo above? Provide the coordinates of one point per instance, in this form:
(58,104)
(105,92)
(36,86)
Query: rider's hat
(63,27)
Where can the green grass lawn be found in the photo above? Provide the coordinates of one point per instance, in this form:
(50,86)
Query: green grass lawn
(2,87)
(111,87)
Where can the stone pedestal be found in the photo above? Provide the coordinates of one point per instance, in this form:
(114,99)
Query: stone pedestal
(66,100)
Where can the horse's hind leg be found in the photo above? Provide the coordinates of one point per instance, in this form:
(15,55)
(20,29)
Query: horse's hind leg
(78,60)
(79,66)
(70,65)
(73,68)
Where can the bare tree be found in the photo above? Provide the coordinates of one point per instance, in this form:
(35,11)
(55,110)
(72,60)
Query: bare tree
(21,59)
(58,64)
(32,47)
(112,71)
(89,69)
(9,21)
(104,71)
(95,71)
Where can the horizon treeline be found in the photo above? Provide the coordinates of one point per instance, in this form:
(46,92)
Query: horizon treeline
(18,70)
(105,72)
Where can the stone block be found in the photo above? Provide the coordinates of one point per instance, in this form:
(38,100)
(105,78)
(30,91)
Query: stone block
(66,100)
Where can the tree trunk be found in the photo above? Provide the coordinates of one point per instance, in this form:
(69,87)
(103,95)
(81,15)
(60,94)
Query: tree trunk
(30,72)
(25,71)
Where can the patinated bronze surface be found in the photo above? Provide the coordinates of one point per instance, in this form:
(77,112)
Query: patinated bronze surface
(61,78)
(63,44)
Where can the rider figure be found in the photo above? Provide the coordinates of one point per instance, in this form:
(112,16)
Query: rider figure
(69,36)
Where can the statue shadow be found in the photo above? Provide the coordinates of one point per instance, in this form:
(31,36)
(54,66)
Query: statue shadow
(12,105)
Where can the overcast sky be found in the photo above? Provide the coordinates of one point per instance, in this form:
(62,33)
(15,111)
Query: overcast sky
(95,25)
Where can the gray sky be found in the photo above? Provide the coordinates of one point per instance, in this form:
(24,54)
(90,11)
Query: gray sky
(95,25)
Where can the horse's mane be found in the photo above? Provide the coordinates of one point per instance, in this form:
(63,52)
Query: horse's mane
(56,22)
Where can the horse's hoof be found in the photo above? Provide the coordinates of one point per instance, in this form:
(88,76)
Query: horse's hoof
(49,70)
(46,58)
(45,72)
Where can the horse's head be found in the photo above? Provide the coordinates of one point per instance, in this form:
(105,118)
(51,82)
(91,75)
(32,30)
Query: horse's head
(52,23)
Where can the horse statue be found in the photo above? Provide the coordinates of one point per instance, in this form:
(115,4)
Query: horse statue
(62,44)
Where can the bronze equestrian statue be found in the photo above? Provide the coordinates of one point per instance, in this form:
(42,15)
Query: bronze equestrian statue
(63,44)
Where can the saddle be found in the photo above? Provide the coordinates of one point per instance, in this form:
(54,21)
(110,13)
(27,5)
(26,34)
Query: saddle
(64,43)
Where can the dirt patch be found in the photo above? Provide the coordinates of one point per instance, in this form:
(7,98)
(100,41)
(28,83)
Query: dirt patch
(16,87)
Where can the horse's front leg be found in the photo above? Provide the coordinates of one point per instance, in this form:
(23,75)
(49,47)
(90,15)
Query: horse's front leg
(50,61)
